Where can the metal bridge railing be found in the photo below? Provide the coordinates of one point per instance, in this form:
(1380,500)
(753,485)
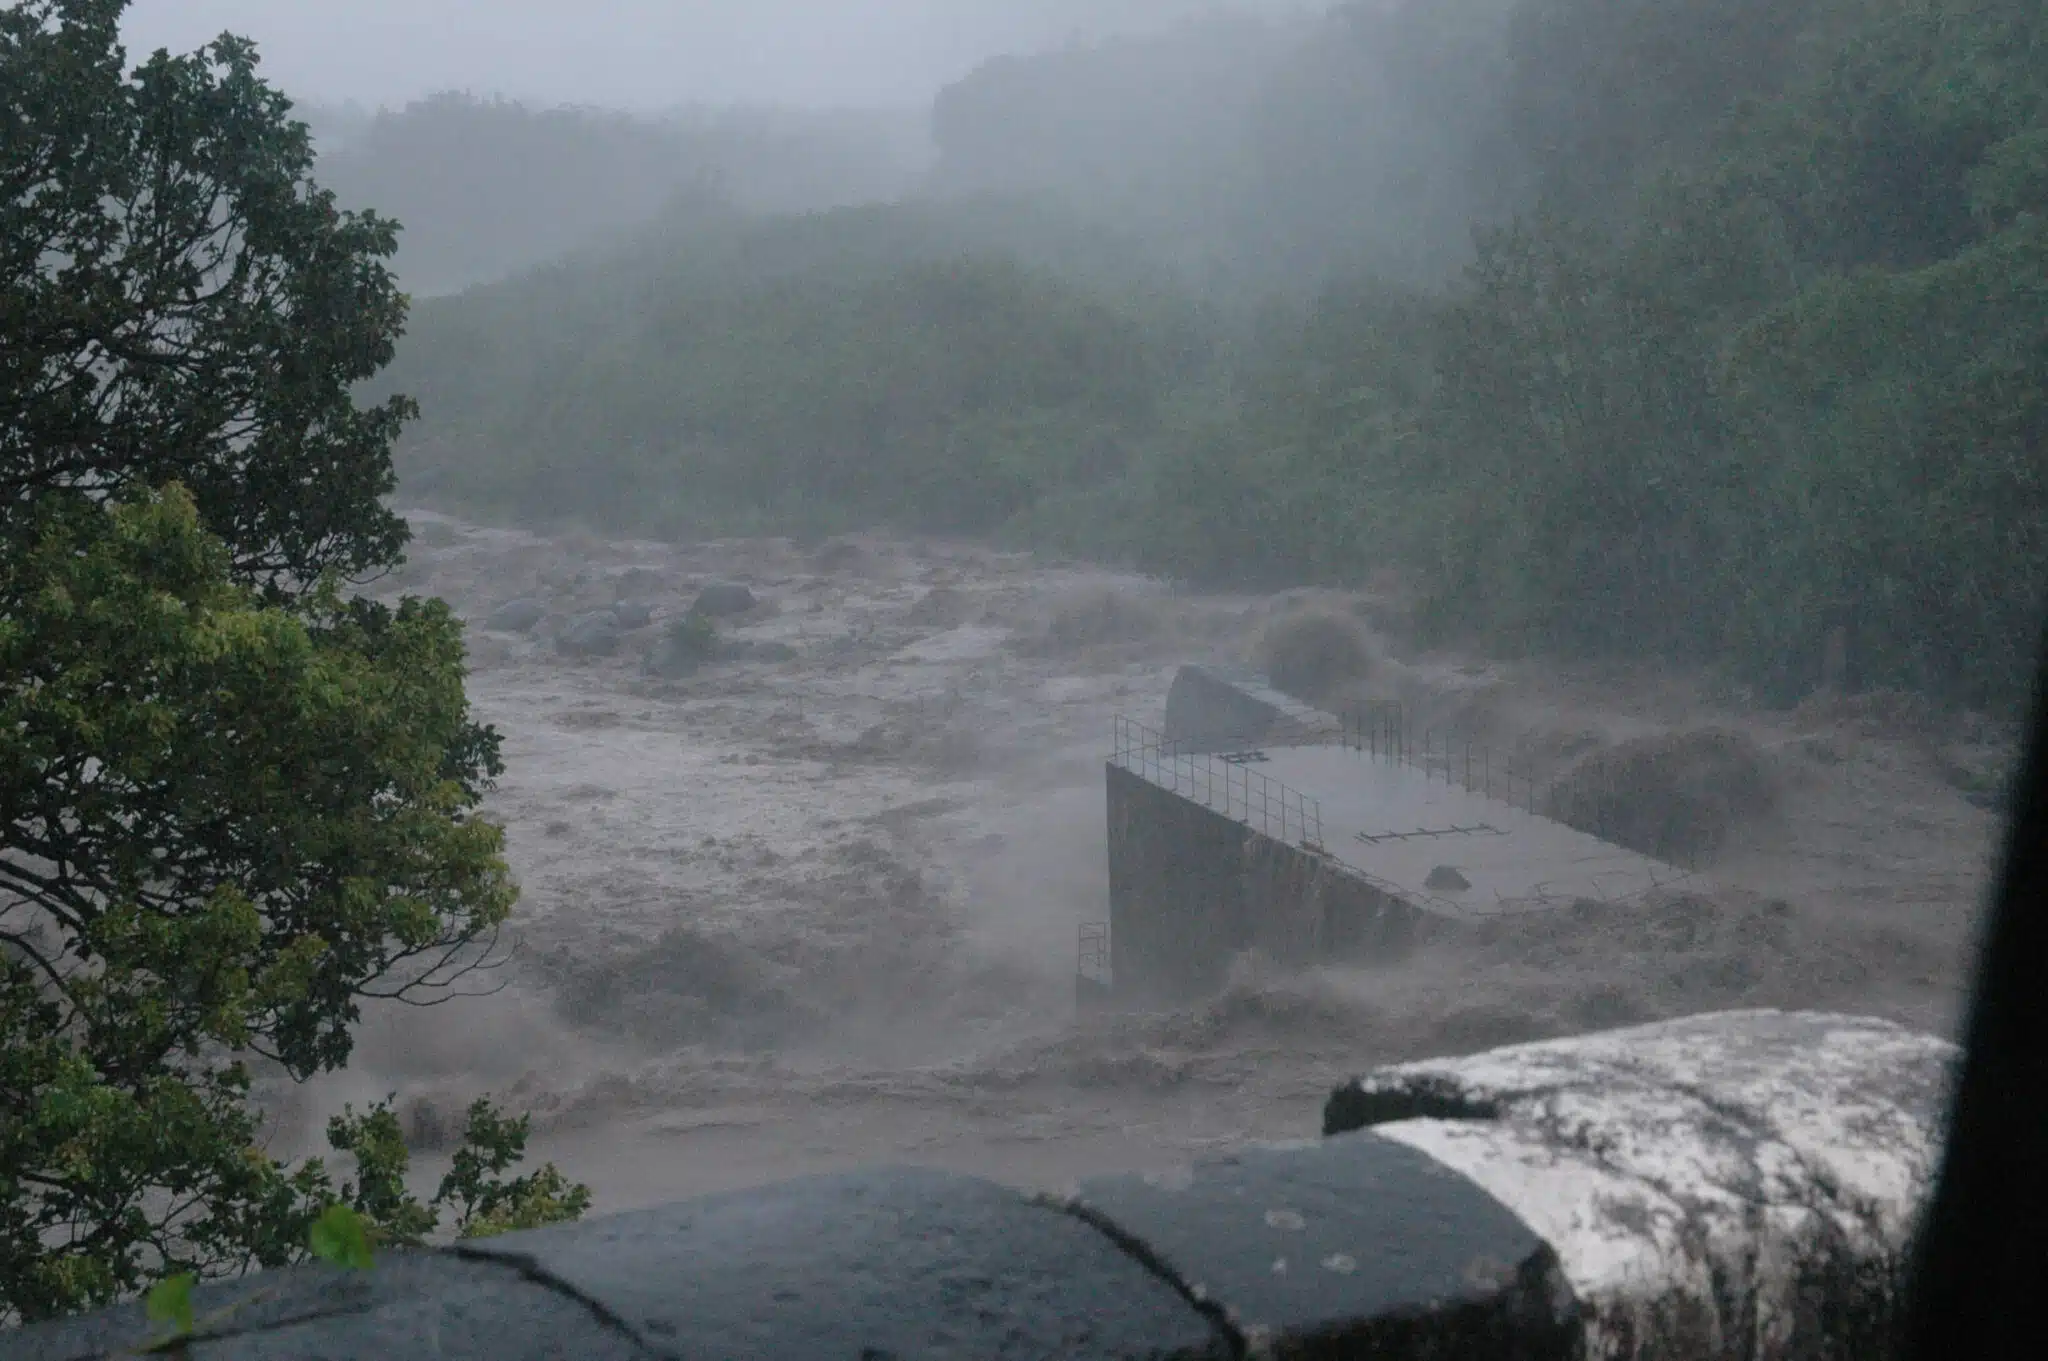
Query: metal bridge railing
(1095,962)
(1588,800)
(1221,782)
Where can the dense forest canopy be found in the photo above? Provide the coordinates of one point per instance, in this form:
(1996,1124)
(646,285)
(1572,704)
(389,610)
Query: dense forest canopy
(868,365)
(1687,325)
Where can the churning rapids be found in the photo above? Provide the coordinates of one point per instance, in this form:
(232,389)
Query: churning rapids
(820,908)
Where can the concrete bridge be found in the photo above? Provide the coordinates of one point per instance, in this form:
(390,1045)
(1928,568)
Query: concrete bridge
(1254,822)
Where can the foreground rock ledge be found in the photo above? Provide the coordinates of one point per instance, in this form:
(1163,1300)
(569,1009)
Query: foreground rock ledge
(1739,1185)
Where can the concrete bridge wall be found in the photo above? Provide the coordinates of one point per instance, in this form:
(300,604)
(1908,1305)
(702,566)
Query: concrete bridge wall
(1254,821)
(1189,889)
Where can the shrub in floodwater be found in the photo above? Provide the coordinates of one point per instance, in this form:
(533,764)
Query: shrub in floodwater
(1676,795)
(1091,618)
(1310,653)
(686,644)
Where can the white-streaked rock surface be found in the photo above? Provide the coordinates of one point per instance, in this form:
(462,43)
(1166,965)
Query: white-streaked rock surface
(1726,1185)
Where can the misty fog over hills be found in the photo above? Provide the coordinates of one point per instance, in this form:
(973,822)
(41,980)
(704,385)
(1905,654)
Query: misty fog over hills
(651,55)
(1210,138)
(1253,149)
(1326,251)
(488,187)
(1257,150)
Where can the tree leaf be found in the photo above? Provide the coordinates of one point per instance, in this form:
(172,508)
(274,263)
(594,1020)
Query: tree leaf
(170,1303)
(340,1238)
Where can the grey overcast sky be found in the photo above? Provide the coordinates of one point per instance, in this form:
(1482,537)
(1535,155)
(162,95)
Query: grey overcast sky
(643,54)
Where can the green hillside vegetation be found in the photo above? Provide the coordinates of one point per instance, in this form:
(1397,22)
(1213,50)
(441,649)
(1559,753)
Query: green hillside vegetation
(939,366)
(1753,336)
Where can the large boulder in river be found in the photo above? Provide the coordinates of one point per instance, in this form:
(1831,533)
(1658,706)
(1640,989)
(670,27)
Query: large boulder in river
(589,635)
(723,599)
(840,555)
(516,616)
(633,614)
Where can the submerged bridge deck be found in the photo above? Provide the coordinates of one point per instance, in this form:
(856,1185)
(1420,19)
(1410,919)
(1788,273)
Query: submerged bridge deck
(1409,829)
(1402,828)
(1260,825)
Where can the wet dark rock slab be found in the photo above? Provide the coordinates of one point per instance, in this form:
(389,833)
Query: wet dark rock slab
(1355,1247)
(423,1304)
(897,1263)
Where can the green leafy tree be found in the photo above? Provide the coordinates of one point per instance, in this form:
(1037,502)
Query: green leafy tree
(234,800)
(182,304)
(378,1210)
(483,1200)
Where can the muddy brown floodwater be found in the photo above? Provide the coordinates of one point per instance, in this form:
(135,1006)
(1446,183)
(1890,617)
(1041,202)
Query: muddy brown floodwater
(820,908)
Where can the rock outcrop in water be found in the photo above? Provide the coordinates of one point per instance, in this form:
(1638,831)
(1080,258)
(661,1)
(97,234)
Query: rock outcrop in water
(724,600)
(516,616)
(590,635)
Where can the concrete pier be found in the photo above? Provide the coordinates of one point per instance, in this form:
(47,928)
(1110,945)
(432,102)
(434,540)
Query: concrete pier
(1307,844)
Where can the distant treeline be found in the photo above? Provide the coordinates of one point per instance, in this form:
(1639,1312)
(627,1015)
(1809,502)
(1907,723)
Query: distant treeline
(1682,328)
